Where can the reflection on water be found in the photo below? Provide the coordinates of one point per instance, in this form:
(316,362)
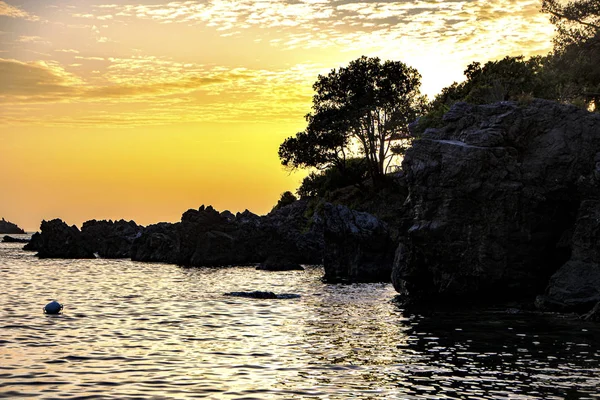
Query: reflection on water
(133,330)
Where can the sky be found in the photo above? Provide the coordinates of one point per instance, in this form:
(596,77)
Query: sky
(142,109)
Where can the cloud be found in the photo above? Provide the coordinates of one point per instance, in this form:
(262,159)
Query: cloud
(67,51)
(32,39)
(15,12)
(34,81)
(160,91)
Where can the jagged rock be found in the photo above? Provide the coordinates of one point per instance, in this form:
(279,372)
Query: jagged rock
(157,243)
(110,239)
(494,198)
(205,237)
(10,228)
(34,243)
(358,247)
(276,263)
(10,239)
(58,240)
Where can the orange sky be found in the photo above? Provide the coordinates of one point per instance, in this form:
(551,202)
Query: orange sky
(142,109)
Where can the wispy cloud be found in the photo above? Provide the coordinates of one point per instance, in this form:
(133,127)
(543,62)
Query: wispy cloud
(15,12)
(160,90)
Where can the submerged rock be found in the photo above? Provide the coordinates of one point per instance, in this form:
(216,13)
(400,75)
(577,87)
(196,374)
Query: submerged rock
(262,295)
(358,247)
(10,239)
(494,198)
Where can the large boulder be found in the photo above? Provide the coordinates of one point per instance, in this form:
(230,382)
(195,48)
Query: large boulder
(494,198)
(59,240)
(358,247)
(110,239)
(9,227)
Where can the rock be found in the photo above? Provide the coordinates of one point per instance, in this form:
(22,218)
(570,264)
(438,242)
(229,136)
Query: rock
(358,247)
(10,228)
(205,237)
(275,263)
(110,239)
(494,197)
(157,243)
(10,239)
(58,240)
(34,243)
(576,285)
(263,295)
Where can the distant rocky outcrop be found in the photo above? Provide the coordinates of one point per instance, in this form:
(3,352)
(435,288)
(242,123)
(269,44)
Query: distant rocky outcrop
(205,237)
(495,197)
(358,246)
(110,239)
(106,239)
(10,228)
(59,240)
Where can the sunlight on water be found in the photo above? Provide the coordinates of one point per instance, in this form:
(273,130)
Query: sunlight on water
(134,330)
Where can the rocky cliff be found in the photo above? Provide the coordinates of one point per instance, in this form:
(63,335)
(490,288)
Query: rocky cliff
(497,203)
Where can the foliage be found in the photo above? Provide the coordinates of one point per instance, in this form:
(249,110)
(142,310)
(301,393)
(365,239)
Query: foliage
(367,104)
(286,199)
(317,184)
(510,78)
(576,22)
(575,62)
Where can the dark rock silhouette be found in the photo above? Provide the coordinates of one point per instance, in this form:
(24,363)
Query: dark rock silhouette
(205,237)
(10,239)
(278,263)
(110,239)
(58,240)
(105,239)
(358,247)
(494,197)
(34,243)
(576,285)
(263,295)
(10,228)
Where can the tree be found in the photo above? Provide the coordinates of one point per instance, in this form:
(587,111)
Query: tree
(576,50)
(576,21)
(368,104)
(286,199)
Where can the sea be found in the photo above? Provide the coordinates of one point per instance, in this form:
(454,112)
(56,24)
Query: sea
(133,330)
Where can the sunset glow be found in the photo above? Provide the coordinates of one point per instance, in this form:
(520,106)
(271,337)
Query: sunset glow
(141,110)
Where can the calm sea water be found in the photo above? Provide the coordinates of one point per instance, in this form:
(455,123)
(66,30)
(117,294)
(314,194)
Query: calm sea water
(151,331)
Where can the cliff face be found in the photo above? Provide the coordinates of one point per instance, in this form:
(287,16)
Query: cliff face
(494,196)
(10,228)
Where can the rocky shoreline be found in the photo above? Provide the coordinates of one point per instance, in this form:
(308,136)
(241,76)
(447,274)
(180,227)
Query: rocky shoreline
(503,204)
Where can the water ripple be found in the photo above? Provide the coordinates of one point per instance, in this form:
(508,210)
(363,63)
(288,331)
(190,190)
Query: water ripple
(138,331)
